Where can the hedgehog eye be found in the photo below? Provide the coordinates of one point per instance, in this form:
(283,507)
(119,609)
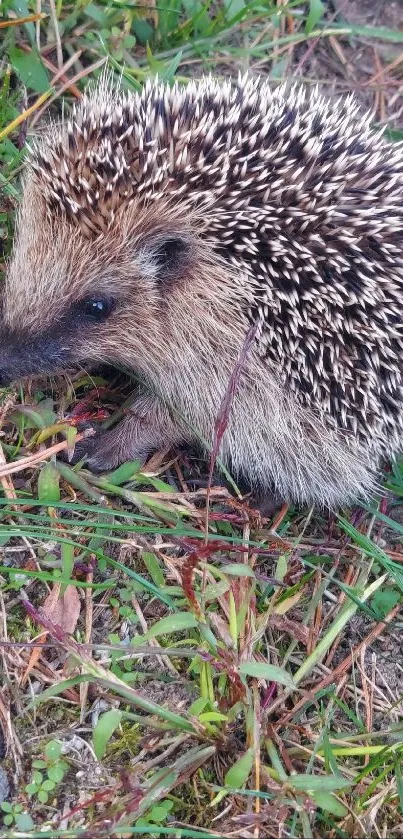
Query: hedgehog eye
(97,308)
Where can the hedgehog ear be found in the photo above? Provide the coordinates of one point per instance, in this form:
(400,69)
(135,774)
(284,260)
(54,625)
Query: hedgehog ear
(170,255)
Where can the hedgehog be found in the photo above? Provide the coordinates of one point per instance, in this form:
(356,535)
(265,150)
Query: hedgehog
(158,229)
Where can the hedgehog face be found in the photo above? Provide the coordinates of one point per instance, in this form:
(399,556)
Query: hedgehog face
(72,300)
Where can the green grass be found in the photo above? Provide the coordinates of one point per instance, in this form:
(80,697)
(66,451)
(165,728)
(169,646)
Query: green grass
(165,674)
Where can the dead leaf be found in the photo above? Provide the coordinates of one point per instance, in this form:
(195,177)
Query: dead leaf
(221,627)
(293,628)
(288,603)
(64,610)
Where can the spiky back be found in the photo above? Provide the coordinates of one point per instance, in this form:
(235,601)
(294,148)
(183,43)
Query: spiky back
(297,194)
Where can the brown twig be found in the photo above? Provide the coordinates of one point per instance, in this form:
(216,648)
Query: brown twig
(34,459)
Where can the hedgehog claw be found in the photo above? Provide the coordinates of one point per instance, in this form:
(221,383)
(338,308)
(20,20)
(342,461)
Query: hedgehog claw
(145,428)
(103,452)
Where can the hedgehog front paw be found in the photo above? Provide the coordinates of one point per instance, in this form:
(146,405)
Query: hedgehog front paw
(104,452)
(146,428)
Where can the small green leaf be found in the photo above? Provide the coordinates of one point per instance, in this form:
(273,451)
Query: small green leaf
(96,13)
(70,434)
(316,12)
(328,802)
(172,623)
(56,773)
(37,777)
(67,557)
(50,431)
(170,70)
(212,716)
(124,473)
(143,30)
(238,775)
(153,567)
(384,600)
(76,480)
(53,749)
(24,822)
(320,783)
(234,6)
(105,727)
(215,590)
(30,69)
(238,570)
(40,416)
(8,820)
(43,796)
(158,813)
(48,484)
(6,807)
(260,670)
(198,706)
(31,789)
(48,784)
(21,8)
(281,568)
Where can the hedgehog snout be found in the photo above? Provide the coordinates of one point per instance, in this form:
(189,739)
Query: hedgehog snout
(26,355)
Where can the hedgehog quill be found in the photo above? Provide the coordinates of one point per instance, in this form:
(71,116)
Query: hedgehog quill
(155,228)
